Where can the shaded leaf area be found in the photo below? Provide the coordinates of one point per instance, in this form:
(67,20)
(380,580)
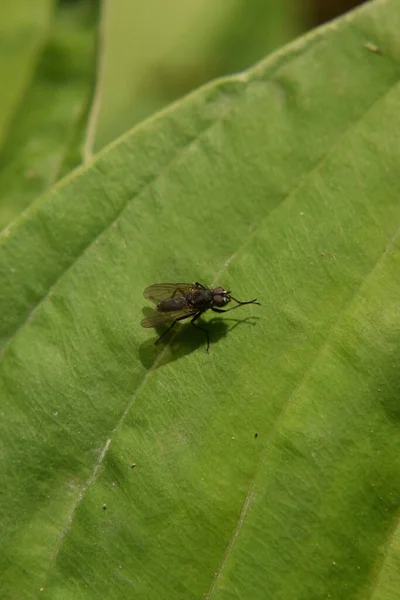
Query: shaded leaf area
(45,137)
(24,27)
(136,470)
(153,53)
(321,12)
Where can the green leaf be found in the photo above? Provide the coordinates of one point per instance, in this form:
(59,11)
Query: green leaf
(44,139)
(154,53)
(23,30)
(280,183)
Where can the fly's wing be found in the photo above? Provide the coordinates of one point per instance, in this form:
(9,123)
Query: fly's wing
(159,318)
(163,291)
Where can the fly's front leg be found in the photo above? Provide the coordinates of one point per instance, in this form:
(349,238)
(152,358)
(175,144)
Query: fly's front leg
(220,310)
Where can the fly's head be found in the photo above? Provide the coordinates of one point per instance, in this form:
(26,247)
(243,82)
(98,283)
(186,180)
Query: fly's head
(221,297)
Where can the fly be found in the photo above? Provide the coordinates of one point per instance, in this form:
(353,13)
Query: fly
(177,301)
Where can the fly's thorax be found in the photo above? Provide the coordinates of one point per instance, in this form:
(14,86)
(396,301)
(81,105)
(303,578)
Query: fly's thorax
(201,299)
(171,304)
(220,297)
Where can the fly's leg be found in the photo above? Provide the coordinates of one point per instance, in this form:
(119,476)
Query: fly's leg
(220,310)
(166,331)
(201,328)
(192,323)
(240,303)
(171,326)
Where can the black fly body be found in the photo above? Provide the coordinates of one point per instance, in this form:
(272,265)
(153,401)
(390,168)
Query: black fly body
(177,301)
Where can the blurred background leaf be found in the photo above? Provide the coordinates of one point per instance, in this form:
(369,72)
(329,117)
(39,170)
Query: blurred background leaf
(46,133)
(24,27)
(149,54)
(155,52)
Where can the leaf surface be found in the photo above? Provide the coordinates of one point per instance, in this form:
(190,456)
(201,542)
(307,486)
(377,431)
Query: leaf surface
(270,467)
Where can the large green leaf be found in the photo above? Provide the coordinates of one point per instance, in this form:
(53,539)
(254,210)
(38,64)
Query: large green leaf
(153,52)
(46,133)
(281,183)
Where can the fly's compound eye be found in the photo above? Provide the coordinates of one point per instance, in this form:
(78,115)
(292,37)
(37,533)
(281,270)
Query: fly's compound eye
(220,296)
(221,299)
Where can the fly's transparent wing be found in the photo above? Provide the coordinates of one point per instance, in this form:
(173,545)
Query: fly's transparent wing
(159,318)
(163,291)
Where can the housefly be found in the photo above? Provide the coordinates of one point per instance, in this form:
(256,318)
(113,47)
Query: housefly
(177,301)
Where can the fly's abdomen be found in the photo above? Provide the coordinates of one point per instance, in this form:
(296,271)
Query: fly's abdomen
(171,304)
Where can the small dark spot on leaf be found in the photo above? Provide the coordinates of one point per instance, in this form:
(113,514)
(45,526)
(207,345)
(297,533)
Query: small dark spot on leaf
(133,465)
(256,435)
(104,506)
